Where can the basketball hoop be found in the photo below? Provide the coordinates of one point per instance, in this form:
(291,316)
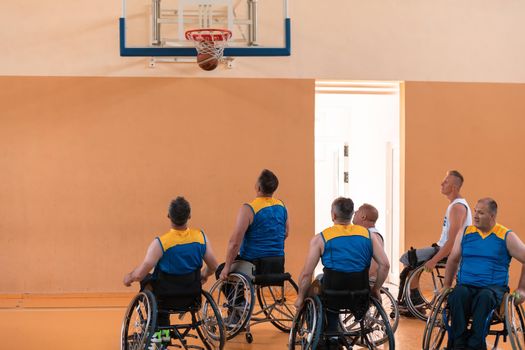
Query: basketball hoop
(210,45)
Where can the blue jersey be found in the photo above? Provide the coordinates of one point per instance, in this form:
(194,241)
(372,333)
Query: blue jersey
(266,234)
(484,257)
(183,251)
(347,248)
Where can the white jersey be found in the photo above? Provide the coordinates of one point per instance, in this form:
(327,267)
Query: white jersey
(374,230)
(446,222)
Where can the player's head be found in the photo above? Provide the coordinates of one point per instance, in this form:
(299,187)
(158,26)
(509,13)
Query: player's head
(179,211)
(485,213)
(342,210)
(452,182)
(365,216)
(267,182)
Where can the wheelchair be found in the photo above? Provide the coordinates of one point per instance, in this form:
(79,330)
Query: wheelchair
(275,290)
(429,286)
(508,318)
(360,319)
(148,323)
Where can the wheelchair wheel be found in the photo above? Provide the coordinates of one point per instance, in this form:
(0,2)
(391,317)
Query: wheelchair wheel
(376,329)
(211,329)
(389,304)
(307,325)
(234,298)
(430,283)
(139,322)
(277,303)
(436,329)
(514,321)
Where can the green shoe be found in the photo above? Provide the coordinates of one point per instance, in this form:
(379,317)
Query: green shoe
(165,335)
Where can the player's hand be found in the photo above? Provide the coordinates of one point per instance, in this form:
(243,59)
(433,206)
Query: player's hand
(298,303)
(224,273)
(127,280)
(519,296)
(429,265)
(376,293)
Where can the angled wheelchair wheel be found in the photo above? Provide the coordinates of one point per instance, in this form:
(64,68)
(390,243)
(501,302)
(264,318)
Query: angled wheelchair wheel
(210,327)
(389,304)
(277,303)
(376,329)
(307,325)
(234,298)
(436,327)
(419,301)
(514,321)
(139,322)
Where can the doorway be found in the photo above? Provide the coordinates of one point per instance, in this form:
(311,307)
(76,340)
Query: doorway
(357,154)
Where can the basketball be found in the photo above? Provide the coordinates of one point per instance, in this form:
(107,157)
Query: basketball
(207,61)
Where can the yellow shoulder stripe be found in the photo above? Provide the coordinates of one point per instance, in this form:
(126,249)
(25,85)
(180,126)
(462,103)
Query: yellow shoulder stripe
(262,202)
(498,230)
(345,230)
(176,237)
(471,229)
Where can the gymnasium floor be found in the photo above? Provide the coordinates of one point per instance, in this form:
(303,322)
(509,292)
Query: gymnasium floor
(42,324)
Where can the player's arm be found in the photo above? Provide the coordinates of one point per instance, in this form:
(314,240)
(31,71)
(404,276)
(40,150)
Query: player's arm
(383,265)
(457,216)
(211,263)
(516,249)
(244,218)
(153,254)
(312,258)
(453,262)
(287,228)
(373,265)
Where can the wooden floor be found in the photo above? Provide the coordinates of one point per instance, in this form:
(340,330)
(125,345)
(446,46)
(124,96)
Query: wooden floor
(98,328)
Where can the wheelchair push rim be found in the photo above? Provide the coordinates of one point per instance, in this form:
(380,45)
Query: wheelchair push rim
(236,289)
(429,285)
(389,305)
(514,321)
(433,337)
(307,325)
(139,322)
(377,328)
(210,327)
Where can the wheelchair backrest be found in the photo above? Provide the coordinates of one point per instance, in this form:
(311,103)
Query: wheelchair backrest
(270,271)
(178,292)
(342,291)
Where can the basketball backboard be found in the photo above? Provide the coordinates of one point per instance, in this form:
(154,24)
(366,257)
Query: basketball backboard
(157,27)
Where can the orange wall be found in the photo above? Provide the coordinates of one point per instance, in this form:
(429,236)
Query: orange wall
(477,129)
(89,166)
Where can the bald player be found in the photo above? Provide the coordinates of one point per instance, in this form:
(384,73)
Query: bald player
(366,216)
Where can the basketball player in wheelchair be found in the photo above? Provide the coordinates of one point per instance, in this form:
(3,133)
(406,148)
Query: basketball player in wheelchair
(174,288)
(343,292)
(255,265)
(480,298)
(422,276)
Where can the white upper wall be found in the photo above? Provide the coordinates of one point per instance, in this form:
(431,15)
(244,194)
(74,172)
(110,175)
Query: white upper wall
(446,40)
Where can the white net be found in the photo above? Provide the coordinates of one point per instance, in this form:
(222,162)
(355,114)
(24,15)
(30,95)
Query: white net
(209,41)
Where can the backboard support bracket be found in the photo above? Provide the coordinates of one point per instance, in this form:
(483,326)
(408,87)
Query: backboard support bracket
(153,61)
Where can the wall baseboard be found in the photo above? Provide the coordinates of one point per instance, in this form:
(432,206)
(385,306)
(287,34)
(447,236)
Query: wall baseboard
(64,300)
